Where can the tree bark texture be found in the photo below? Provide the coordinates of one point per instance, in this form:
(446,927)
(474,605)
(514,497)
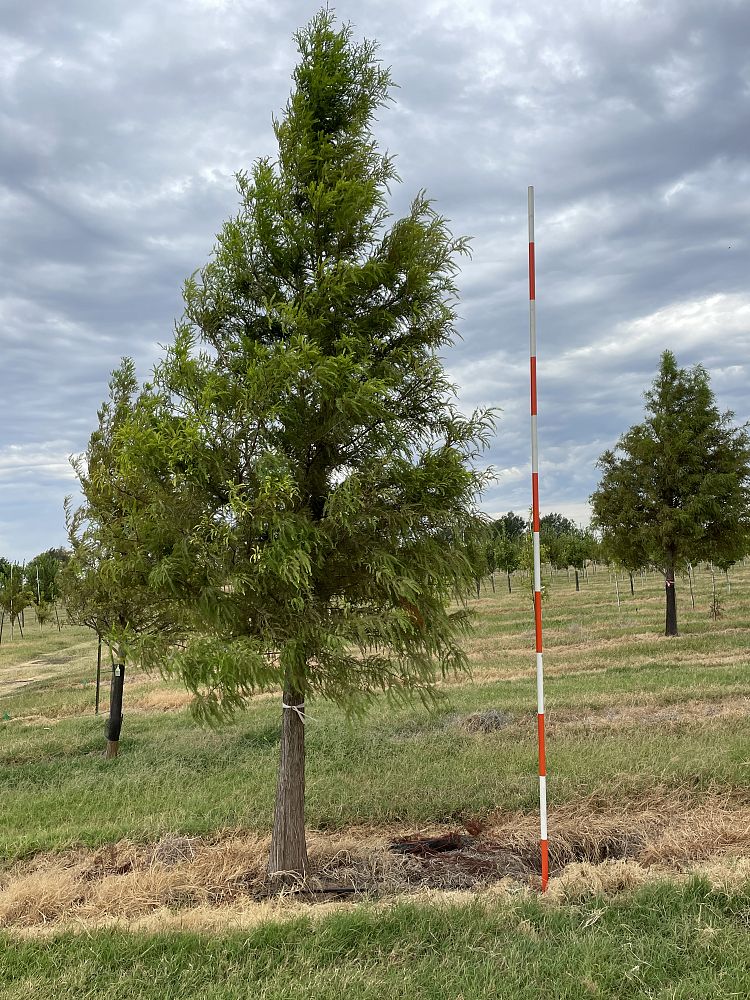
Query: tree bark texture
(671,622)
(114,721)
(288,861)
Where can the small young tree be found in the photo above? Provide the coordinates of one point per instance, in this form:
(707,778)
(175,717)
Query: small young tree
(574,551)
(15,596)
(508,555)
(105,581)
(677,486)
(42,574)
(554,530)
(311,484)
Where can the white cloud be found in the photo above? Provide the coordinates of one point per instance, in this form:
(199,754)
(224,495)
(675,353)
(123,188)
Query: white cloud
(47,460)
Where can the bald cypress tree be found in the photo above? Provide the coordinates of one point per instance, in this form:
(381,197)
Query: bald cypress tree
(676,488)
(306,484)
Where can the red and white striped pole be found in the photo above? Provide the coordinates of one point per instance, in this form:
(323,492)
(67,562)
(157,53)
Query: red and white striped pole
(537,553)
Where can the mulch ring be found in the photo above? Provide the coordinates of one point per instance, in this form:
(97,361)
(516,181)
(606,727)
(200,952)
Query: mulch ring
(456,860)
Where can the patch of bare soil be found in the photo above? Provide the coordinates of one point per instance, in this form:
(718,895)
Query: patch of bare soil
(214,883)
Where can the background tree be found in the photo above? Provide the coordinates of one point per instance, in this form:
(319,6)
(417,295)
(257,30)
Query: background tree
(15,596)
(106,579)
(42,573)
(554,530)
(508,554)
(310,487)
(575,549)
(676,487)
(511,525)
(553,525)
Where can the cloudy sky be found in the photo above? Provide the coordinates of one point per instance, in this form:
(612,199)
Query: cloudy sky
(123,123)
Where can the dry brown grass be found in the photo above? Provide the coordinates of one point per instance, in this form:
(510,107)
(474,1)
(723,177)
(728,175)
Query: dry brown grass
(160,699)
(576,883)
(620,716)
(222,882)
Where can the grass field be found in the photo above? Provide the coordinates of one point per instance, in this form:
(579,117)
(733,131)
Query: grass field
(158,855)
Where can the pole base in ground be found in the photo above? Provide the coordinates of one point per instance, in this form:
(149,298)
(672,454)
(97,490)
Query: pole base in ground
(113,748)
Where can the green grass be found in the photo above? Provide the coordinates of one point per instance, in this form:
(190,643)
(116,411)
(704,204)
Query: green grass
(393,767)
(665,941)
(46,642)
(397,765)
(403,767)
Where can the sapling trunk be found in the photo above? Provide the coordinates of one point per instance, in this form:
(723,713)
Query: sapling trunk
(632,585)
(578,586)
(671,620)
(510,588)
(114,722)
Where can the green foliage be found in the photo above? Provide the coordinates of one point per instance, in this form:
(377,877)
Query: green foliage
(511,525)
(307,488)
(41,574)
(106,580)
(553,525)
(576,548)
(508,552)
(676,487)
(15,596)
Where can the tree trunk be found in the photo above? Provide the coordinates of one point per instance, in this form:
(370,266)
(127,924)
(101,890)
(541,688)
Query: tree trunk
(578,586)
(114,722)
(492,581)
(288,859)
(671,623)
(510,589)
(632,585)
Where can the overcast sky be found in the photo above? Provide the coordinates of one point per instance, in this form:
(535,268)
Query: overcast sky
(123,123)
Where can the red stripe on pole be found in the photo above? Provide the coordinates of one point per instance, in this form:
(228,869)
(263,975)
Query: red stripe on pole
(542,753)
(532,273)
(535,499)
(545,865)
(538,620)
(533,386)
